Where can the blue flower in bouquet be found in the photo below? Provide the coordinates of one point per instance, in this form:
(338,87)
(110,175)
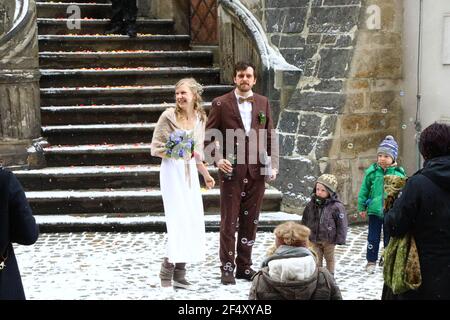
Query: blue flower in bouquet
(190,144)
(180,145)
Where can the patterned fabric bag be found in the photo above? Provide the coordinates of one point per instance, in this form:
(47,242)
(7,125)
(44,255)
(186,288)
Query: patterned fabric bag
(401,267)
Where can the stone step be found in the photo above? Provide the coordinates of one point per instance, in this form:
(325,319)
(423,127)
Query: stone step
(99,154)
(125,95)
(82,134)
(119,222)
(112,42)
(104,114)
(97,77)
(94,177)
(123,201)
(61,10)
(107,59)
(47,26)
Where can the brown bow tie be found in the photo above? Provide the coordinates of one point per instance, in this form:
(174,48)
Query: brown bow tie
(249,99)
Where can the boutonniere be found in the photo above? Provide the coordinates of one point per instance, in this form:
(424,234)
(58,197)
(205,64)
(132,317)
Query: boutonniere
(262,117)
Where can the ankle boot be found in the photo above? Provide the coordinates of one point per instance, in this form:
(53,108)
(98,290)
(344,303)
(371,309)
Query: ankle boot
(179,279)
(166,274)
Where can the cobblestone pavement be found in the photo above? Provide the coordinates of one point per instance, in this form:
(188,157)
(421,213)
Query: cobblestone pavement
(126,265)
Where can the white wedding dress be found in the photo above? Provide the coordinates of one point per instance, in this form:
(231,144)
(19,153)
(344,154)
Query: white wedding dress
(183,209)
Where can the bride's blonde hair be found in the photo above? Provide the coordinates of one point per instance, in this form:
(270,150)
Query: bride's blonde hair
(197,90)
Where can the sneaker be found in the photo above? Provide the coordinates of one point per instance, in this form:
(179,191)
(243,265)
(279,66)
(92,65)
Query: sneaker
(370,267)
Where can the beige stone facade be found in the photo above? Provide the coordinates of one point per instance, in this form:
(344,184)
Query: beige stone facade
(374,103)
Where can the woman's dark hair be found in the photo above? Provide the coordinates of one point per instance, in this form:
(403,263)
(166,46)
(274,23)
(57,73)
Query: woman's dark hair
(242,66)
(434,141)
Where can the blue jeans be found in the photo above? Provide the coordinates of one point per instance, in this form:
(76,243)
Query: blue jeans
(374,237)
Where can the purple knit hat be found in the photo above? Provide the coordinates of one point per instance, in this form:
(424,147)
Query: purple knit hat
(389,146)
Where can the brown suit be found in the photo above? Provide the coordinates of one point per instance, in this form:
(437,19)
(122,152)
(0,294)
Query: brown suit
(240,197)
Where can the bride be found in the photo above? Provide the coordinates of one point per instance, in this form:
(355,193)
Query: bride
(180,186)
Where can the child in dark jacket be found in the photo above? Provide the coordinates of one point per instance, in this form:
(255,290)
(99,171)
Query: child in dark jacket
(325,215)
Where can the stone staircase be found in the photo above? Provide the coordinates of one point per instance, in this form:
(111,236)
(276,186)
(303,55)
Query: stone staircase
(101,96)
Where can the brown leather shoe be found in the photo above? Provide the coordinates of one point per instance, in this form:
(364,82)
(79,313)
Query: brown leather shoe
(227,277)
(246,274)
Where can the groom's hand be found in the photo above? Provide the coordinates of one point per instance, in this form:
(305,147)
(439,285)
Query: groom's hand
(224,165)
(274,175)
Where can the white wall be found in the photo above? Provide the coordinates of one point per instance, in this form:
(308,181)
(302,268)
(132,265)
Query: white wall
(435,76)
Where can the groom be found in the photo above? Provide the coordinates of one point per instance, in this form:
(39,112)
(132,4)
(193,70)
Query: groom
(244,121)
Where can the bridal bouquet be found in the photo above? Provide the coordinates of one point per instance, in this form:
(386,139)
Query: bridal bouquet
(180,145)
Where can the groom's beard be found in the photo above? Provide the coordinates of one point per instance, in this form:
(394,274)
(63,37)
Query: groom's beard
(244,87)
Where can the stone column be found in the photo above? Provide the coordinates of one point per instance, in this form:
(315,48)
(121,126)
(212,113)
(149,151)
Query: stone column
(20,121)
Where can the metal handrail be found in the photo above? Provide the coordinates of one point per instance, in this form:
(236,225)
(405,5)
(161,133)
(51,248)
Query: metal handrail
(271,58)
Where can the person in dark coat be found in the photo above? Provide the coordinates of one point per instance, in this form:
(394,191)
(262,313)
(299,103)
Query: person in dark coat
(290,272)
(17,225)
(123,19)
(326,216)
(423,209)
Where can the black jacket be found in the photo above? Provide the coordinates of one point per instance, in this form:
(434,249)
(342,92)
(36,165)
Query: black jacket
(423,209)
(18,225)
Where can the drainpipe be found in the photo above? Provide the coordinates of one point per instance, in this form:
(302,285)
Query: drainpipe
(417,123)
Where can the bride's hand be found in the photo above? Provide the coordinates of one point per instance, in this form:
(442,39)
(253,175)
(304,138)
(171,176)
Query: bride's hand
(209,181)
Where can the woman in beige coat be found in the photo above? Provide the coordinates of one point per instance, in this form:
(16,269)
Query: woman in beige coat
(178,140)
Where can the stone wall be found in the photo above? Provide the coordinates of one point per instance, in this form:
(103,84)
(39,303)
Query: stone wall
(373,107)
(348,98)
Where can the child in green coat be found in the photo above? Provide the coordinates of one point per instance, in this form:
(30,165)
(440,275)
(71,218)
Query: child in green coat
(371,196)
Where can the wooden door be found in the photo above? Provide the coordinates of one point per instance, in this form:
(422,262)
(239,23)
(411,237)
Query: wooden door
(204,22)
